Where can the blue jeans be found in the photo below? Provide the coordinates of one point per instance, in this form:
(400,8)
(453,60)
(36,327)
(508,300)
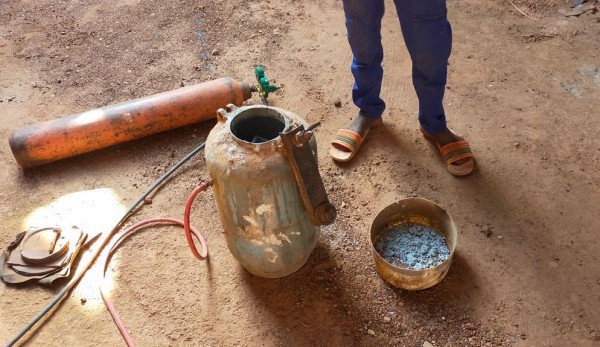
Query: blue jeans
(428,37)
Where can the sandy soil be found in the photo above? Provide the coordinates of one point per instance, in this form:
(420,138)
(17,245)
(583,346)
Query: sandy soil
(524,91)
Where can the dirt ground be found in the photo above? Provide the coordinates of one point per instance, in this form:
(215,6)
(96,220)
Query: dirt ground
(524,91)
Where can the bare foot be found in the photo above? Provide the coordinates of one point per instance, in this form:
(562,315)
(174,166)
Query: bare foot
(360,124)
(445,137)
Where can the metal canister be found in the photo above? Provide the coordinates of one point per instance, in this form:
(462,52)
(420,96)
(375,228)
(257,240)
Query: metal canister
(267,225)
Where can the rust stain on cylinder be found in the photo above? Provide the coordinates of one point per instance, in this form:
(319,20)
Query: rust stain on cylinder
(80,133)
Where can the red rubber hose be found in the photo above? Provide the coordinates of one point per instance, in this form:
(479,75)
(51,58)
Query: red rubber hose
(186,222)
(189,230)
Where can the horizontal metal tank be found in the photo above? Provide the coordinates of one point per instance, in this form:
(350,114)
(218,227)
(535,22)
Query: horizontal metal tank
(267,226)
(80,133)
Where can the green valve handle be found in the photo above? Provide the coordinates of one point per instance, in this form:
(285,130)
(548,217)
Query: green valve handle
(264,87)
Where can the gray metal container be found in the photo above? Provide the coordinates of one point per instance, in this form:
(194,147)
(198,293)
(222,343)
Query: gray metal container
(267,227)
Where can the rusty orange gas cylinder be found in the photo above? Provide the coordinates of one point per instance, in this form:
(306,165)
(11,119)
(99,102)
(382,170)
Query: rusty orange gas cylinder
(80,133)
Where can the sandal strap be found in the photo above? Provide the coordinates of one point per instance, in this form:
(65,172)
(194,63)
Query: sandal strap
(456,151)
(348,139)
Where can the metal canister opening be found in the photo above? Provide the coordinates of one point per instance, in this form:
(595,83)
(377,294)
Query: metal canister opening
(258,125)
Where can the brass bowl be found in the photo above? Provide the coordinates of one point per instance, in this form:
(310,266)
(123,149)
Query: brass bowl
(414,211)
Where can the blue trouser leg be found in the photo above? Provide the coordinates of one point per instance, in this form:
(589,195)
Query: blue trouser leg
(428,37)
(363,22)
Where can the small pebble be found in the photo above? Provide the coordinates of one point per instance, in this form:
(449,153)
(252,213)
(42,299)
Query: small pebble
(83,301)
(387,319)
(371,332)
(337,102)
(487,230)
(215,52)
(427,344)
(469,326)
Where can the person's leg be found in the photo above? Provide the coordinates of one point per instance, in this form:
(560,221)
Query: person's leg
(428,37)
(363,23)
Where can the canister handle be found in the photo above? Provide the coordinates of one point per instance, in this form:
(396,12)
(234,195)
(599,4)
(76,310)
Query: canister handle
(223,113)
(306,171)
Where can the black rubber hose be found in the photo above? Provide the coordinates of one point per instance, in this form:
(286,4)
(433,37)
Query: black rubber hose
(103,242)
